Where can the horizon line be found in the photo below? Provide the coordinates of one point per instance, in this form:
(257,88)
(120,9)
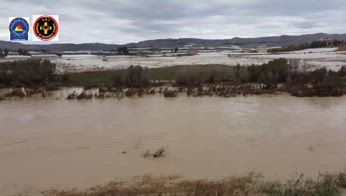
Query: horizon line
(105,43)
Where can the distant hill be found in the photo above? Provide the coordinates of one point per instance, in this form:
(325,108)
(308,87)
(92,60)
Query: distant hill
(274,41)
(172,43)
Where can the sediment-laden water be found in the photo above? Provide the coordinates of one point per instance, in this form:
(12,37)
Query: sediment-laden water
(59,143)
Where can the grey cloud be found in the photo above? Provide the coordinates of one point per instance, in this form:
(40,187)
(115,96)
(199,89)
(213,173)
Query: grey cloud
(119,21)
(306,25)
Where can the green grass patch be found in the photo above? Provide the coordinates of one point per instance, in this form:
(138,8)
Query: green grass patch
(169,73)
(99,78)
(90,78)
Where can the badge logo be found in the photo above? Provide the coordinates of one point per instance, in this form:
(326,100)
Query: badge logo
(19,28)
(46,28)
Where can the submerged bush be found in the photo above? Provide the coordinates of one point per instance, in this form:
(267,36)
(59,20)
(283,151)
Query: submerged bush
(269,76)
(169,93)
(319,82)
(84,95)
(16,93)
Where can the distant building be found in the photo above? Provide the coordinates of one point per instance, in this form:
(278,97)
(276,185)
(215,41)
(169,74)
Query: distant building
(228,47)
(262,50)
(328,40)
(249,50)
(192,51)
(189,45)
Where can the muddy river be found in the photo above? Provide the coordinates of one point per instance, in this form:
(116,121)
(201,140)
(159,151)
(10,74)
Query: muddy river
(60,143)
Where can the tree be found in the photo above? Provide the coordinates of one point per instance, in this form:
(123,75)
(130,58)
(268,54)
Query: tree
(23,52)
(192,76)
(244,75)
(137,76)
(3,53)
(119,78)
(318,75)
(237,70)
(342,71)
(123,50)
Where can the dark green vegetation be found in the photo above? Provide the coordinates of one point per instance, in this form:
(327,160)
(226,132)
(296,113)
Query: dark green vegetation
(251,185)
(319,82)
(23,52)
(315,44)
(133,77)
(123,50)
(30,73)
(221,80)
(107,78)
(197,80)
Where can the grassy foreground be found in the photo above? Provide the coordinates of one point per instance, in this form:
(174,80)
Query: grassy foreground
(251,185)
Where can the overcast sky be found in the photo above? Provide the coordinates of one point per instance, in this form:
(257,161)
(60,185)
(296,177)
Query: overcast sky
(123,21)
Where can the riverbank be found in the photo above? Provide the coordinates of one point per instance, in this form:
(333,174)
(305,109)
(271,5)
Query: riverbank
(39,77)
(167,91)
(252,184)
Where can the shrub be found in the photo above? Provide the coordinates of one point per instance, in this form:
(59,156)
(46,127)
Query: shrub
(197,76)
(169,93)
(189,76)
(133,76)
(31,73)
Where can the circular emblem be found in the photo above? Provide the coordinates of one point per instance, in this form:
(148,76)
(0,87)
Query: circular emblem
(46,28)
(19,29)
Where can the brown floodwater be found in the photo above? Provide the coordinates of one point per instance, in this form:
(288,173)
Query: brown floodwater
(59,143)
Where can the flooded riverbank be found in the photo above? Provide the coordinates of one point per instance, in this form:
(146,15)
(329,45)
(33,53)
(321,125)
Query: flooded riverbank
(309,58)
(61,143)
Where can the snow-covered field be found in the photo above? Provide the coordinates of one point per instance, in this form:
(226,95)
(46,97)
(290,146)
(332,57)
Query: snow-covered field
(311,58)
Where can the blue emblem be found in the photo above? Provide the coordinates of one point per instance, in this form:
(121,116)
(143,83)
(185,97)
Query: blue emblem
(19,29)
